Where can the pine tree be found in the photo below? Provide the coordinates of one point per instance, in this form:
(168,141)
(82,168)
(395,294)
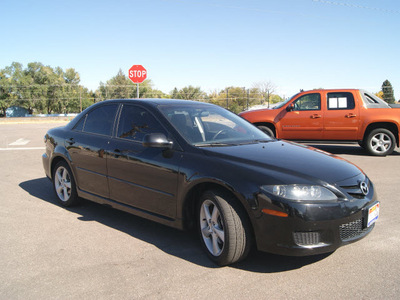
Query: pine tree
(387,90)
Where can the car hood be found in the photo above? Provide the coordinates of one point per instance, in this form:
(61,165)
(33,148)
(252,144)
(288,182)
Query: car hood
(289,159)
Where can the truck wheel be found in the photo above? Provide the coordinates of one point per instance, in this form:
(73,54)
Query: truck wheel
(223,228)
(380,142)
(266,130)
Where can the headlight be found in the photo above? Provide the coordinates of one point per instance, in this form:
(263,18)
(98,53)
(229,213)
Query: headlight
(299,192)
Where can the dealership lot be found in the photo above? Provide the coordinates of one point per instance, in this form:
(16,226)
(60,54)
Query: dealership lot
(92,251)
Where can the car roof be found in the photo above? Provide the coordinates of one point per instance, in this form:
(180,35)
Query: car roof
(154,101)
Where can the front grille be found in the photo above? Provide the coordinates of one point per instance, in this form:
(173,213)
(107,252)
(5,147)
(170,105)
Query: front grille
(306,238)
(354,190)
(352,230)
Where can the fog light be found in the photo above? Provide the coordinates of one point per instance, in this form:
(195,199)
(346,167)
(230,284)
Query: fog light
(307,238)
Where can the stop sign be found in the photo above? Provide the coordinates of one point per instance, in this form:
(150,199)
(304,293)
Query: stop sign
(137,73)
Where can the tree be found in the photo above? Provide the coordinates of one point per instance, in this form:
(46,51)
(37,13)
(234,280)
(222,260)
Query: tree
(121,87)
(188,93)
(41,88)
(379,94)
(266,88)
(5,92)
(387,90)
(235,99)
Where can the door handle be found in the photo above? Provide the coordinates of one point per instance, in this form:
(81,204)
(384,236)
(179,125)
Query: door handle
(351,116)
(117,153)
(70,141)
(315,116)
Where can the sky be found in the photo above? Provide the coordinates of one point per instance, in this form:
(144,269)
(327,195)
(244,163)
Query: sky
(295,44)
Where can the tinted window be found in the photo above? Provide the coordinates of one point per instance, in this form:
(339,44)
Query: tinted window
(79,125)
(308,102)
(101,120)
(340,101)
(135,122)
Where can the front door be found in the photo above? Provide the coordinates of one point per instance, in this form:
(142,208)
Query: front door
(305,120)
(142,177)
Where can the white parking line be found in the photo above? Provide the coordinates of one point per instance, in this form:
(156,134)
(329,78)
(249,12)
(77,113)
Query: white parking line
(26,148)
(20,142)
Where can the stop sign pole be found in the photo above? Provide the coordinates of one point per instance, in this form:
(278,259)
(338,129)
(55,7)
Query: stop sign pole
(137,73)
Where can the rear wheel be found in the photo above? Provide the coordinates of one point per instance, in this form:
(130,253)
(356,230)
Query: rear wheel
(380,142)
(223,228)
(267,130)
(64,184)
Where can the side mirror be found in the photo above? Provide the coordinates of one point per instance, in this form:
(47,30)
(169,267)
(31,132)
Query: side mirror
(290,107)
(157,140)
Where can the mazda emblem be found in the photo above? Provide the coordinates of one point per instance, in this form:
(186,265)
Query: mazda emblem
(364,187)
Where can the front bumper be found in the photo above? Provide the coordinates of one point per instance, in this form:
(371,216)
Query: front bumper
(312,229)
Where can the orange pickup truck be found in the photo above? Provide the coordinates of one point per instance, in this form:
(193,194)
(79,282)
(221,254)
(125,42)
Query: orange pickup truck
(333,115)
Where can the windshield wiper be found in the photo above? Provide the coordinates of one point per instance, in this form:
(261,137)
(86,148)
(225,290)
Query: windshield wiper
(264,140)
(255,142)
(213,145)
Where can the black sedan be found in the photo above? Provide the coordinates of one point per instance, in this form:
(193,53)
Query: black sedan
(189,164)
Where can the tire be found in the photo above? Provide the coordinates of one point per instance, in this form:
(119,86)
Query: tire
(223,228)
(64,185)
(266,130)
(380,142)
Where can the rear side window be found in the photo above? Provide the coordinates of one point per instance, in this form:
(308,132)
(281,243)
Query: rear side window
(79,125)
(101,120)
(308,102)
(338,101)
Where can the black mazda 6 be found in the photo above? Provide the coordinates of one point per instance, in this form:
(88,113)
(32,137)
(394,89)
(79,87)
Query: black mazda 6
(189,164)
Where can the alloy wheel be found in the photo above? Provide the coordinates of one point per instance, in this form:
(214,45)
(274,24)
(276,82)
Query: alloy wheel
(381,142)
(62,183)
(212,228)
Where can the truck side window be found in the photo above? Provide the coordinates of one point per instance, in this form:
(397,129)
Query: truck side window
(337,101)
(308,102)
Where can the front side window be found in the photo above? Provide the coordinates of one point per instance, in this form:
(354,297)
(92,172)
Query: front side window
(308,102)
(135,122)
(338,101)
(101,120)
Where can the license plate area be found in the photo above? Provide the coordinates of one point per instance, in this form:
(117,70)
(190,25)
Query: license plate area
(372,214)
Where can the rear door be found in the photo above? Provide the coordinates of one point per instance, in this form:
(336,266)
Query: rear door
(305,121)
(341,119)
(87,145)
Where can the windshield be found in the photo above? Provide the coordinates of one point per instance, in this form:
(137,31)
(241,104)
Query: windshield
(283,103)
(209,125)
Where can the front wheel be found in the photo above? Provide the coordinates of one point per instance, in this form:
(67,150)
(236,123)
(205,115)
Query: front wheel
(266,130)
(380,142)
(223,228)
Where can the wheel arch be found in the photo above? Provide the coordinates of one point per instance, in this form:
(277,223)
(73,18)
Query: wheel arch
(267,124)
(57,157)
(386,125)
(192,197)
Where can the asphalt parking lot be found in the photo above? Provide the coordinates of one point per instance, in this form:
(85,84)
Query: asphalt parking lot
(93,252)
